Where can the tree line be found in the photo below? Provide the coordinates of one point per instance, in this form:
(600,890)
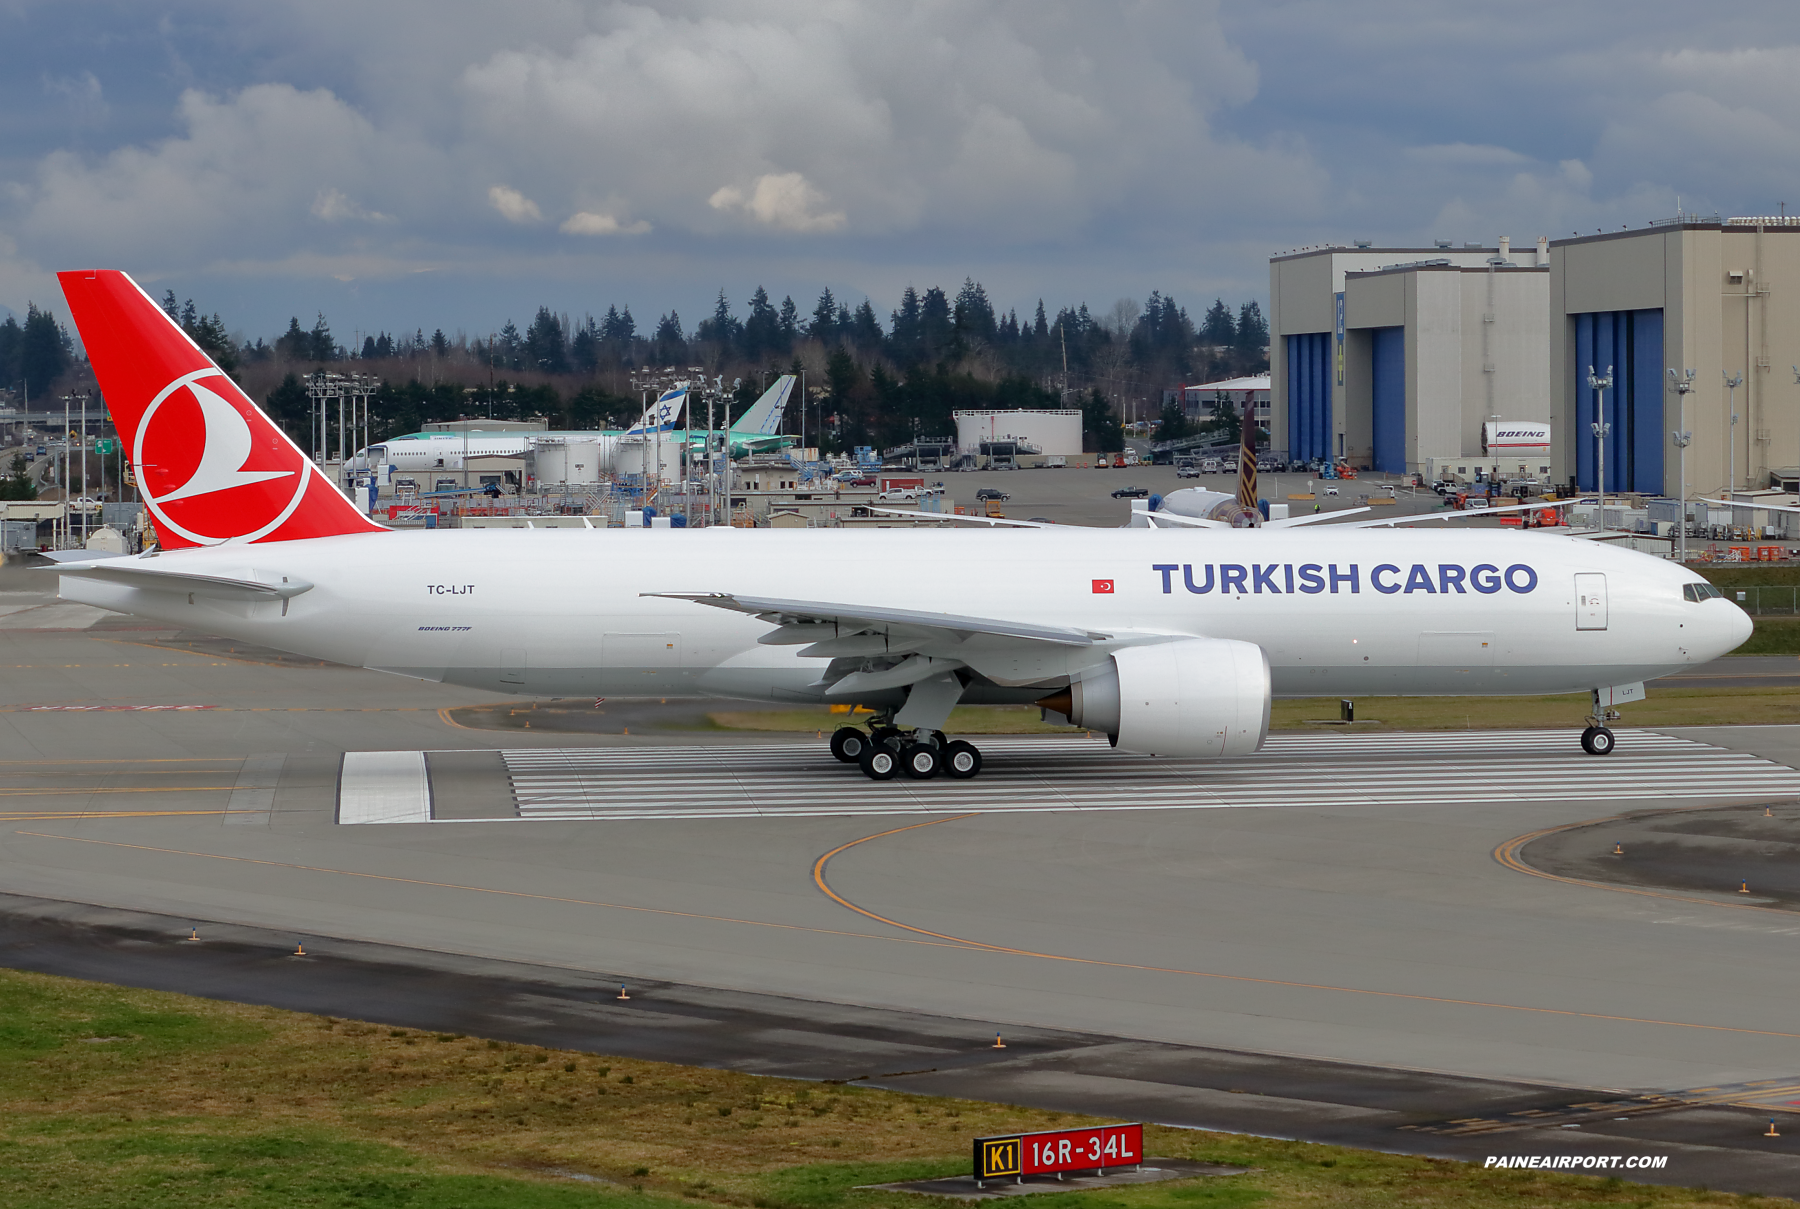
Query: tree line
(870,381)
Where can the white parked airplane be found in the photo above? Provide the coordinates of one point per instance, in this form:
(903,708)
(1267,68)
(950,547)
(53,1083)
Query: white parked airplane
(1171,641)
(421,453)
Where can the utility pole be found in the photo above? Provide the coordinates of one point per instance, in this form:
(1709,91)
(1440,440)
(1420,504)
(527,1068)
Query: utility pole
(1682,437)
(1600,386)
(1732,383)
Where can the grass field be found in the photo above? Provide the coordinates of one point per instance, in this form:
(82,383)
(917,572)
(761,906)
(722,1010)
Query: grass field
(1670,707)
(114,1097)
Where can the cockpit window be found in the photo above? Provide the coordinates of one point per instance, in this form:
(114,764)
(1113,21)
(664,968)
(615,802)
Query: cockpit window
(1700,591)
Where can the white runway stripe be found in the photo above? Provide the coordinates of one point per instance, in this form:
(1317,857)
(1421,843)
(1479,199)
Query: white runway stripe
(1060,774)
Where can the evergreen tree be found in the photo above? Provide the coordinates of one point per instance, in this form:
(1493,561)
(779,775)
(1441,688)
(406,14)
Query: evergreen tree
(904,337)
(1218,329)
(12,339)
(722,328)
(974,314)
(670,342)
(1100,431)
(762,330)
(544,347)
(45,350)
(863,328)
(508,349)
(789,322)
(321,345)
(1040,328)
(289,406)
(1174,423)
(935,329)
(17,484)
(171,305)
(1252,335)
(584,348)
(440,344)
(824,326)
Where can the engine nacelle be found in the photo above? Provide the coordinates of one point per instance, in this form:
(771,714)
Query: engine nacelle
(1192,697)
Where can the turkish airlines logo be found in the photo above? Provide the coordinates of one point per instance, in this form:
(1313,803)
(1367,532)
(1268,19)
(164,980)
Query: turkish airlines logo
(1103,587)
(195,453)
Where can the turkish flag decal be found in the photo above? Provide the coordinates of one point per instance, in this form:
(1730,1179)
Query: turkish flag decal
(1103,587)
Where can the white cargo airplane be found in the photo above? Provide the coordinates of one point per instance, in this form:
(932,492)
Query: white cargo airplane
(1171,641)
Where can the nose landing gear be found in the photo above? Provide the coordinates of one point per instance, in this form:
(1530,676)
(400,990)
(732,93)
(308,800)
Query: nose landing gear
(1597,741)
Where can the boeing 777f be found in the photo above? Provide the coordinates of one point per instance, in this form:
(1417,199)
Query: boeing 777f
(1172,641)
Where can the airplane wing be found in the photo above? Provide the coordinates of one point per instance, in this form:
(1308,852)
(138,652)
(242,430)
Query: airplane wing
(915,644)
(1469,514)
(974,520)
(1294,522)
(1758,506)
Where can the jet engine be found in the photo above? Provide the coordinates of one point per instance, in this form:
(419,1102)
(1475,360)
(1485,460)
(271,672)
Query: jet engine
(1191,697)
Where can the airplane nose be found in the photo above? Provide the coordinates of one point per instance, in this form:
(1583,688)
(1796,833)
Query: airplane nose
(1735,628)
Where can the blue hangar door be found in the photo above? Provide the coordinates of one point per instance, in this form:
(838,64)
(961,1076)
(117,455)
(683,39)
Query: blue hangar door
(1387,364)
(1309,376)
(1632,343)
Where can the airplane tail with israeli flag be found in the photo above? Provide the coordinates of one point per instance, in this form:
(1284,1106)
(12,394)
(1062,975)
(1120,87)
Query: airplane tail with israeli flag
(211,466)
(664,414)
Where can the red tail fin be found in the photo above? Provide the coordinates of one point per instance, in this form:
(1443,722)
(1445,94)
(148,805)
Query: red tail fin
(212,467)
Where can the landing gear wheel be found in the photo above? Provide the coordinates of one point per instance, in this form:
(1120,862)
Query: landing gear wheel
(961,760)
(886,734)
(1597,741)
(921,761)
(847,743)
(879,762)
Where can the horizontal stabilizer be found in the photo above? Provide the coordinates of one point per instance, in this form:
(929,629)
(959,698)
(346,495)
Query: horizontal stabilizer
(218,587)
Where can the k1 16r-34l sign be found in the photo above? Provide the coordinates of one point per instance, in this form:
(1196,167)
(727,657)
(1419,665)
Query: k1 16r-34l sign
(1059,1150)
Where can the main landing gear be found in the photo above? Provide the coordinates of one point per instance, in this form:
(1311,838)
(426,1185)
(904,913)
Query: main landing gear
(884,752)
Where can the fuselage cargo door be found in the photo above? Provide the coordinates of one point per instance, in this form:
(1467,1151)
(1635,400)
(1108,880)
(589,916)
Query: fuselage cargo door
(1590,601)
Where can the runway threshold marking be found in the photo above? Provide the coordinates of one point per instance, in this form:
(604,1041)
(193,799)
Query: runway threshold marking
(963,942)
(1508,855)
(521,894)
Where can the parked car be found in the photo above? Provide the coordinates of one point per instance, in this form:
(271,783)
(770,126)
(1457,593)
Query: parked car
(899,495)
(1131,493)
(992,493)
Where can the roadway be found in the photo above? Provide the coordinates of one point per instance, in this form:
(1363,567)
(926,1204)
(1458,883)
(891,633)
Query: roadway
(1336,908)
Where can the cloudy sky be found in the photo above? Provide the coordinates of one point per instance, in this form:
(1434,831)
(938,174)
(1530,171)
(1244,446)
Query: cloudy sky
(455,164)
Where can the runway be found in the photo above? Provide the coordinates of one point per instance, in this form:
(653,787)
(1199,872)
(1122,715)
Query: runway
(1049,774)
(1335,899)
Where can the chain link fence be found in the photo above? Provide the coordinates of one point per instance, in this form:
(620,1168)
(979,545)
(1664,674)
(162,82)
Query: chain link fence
(1773,601)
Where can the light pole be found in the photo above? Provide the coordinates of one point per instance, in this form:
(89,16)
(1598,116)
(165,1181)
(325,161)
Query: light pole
(1600,386)
(1732,383)
(1682,437)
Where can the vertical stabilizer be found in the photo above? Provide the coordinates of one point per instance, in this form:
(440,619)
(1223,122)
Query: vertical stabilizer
(664,413)
(211,466)
(763,419)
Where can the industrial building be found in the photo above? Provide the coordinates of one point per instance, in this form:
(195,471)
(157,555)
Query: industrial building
(1395,358)
(1718,296)
(1197,399)
(1022,432)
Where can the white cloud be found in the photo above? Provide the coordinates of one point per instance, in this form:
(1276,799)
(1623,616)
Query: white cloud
(588,222)
(1466,154)
(785,200)
(513,205)
(333,205)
